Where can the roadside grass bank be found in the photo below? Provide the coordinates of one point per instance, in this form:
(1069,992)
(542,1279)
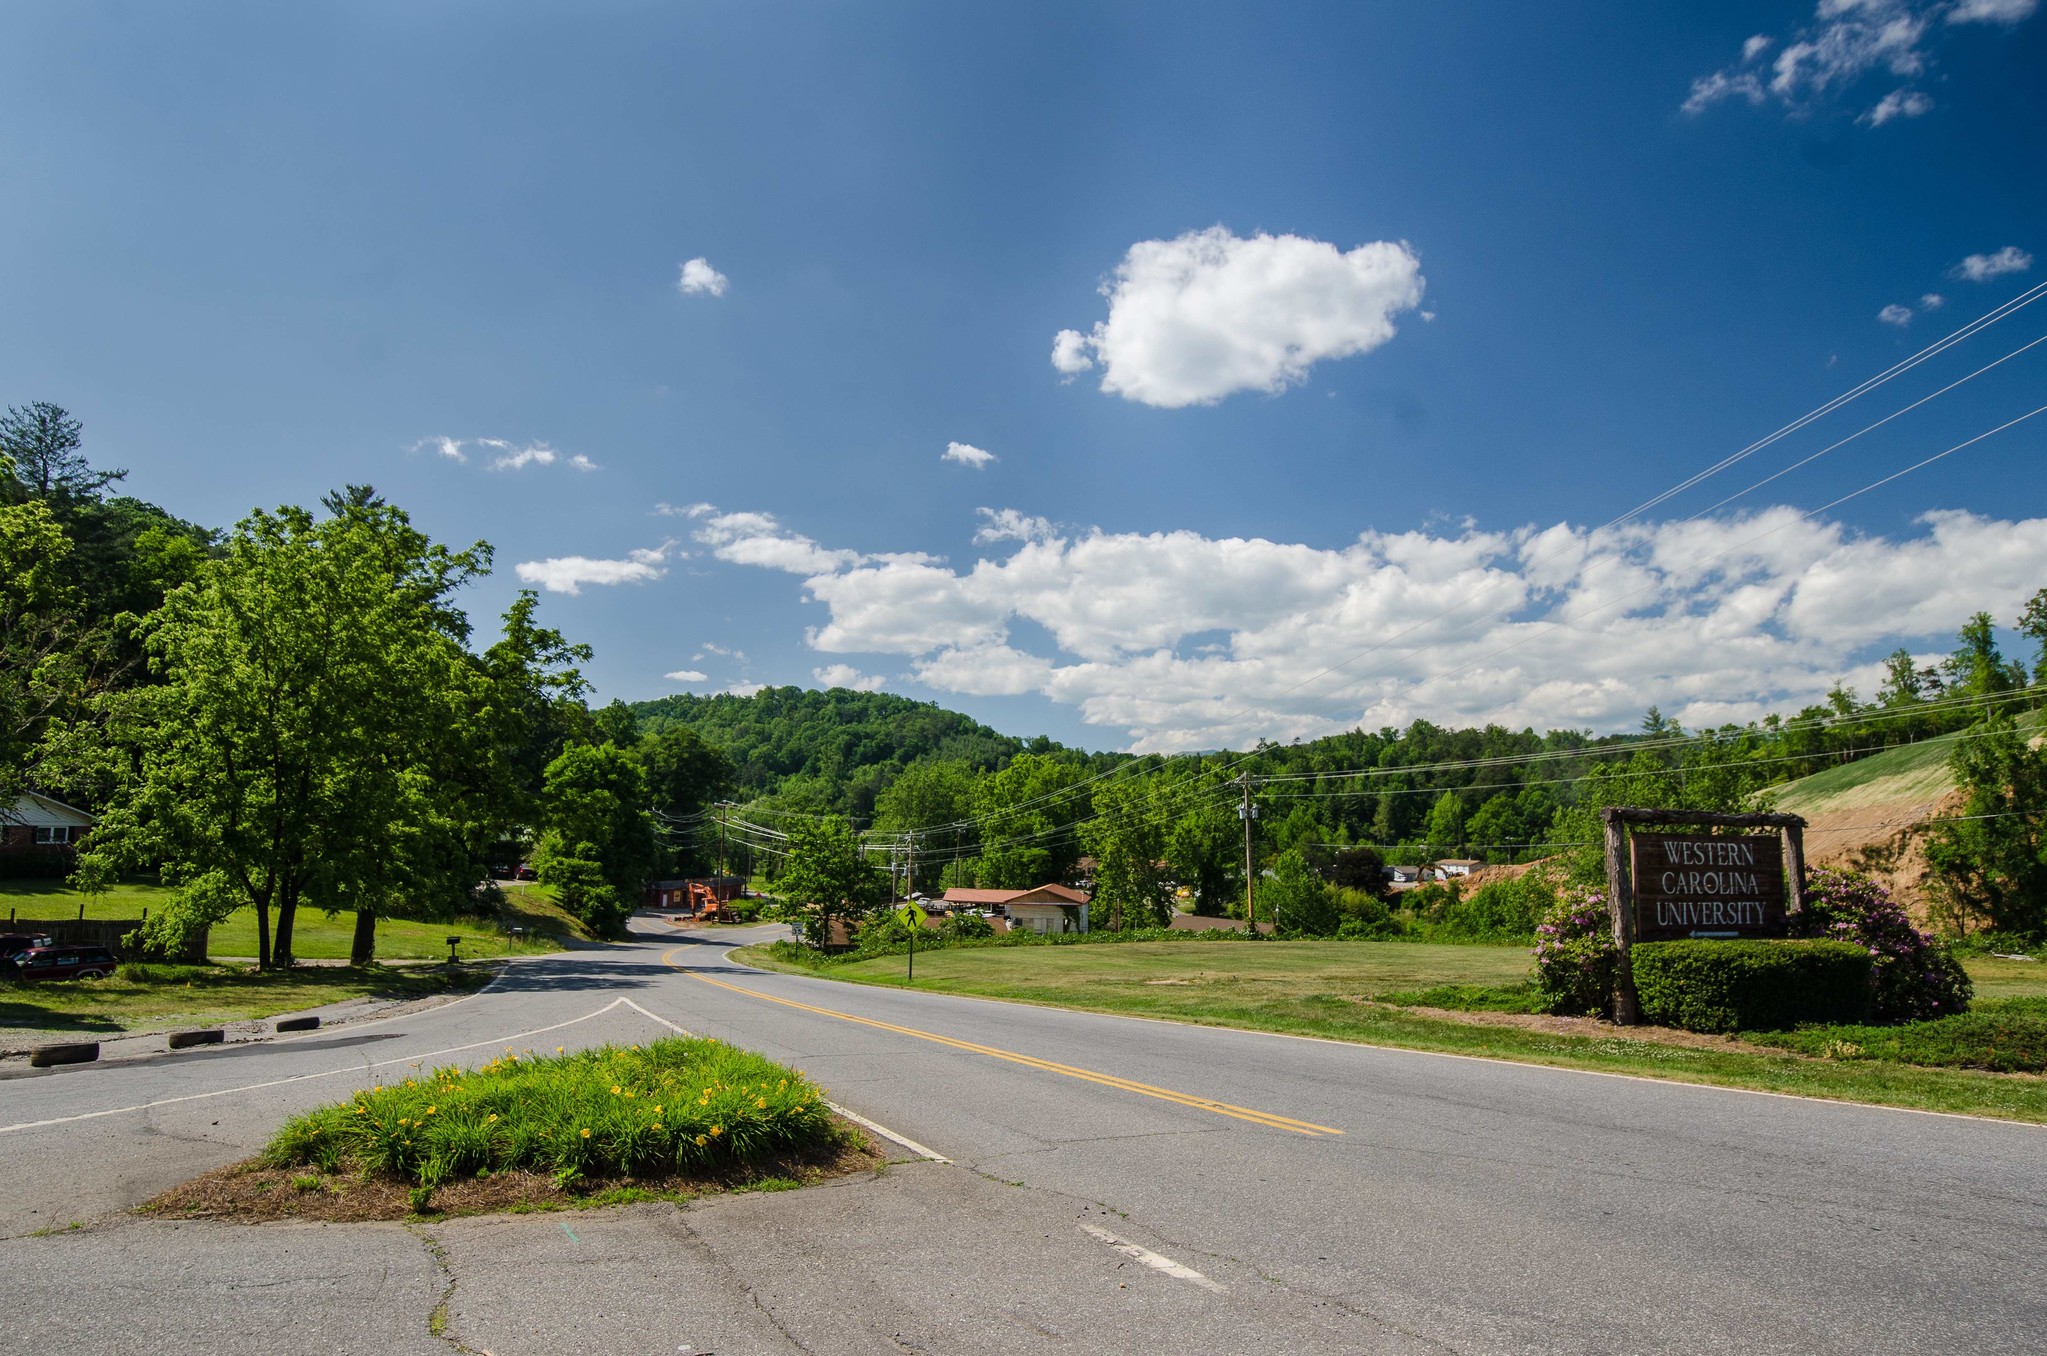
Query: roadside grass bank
(147,997)
(1348,990)
(316,935)
(676,1119)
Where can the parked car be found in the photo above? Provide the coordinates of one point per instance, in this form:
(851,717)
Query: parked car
(13,944)
(65,962)
(525,872)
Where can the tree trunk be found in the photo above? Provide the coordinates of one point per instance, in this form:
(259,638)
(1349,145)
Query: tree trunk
(363,949)
(263,934)
(287,913)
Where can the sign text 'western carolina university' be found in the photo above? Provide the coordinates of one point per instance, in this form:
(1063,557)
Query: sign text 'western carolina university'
(1692,885)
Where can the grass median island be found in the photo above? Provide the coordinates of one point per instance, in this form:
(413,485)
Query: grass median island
(1389,994)
(674,1119)
(145,997)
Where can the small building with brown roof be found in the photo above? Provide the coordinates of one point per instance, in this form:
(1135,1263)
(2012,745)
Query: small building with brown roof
(1042,909)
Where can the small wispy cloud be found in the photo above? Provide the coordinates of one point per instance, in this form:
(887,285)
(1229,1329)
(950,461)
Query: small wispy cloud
(687,676)
(1895,315)
(1932,301)
(665,509)
(451,448)
(1011,525)
(966,454)
(1845,42)
(1984,267)
(846,676)
(504,454)
(568,574)
(700,279)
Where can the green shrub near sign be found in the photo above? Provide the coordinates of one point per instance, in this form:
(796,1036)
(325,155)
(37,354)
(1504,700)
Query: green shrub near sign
(1751,985)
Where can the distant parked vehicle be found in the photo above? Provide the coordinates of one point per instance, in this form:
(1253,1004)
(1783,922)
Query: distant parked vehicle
(65,962)
(13,944)
(500,871)
(525,872)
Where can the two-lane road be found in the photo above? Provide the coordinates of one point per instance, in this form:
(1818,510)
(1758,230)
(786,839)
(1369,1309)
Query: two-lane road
(1183,1187)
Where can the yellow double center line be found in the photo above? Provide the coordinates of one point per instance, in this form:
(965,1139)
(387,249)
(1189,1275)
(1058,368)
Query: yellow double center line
(1242,1113)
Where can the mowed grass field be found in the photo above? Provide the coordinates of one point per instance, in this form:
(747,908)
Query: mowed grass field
(1328,990)
(316,934)
(156,997)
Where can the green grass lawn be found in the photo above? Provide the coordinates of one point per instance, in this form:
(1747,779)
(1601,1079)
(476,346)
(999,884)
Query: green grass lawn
(316,935)
(153,997)
(1996,978)
(1910,771)
(1324,989)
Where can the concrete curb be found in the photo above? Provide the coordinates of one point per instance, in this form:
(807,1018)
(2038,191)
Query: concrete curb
(184,1040)
(297,1024)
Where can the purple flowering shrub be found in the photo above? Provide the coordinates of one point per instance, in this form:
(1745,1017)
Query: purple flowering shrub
(1574,955)
(1915,977)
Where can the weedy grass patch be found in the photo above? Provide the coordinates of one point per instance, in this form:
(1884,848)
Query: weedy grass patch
(681,1105)
(2003,1036)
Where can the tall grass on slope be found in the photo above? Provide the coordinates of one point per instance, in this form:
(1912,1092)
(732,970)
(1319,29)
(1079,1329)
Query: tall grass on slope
(681,1104)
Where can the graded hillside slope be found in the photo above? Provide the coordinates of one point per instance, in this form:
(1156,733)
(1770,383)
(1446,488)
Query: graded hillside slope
(1863,814)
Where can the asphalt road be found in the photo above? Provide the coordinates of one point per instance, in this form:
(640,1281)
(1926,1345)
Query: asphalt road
(1111,1185)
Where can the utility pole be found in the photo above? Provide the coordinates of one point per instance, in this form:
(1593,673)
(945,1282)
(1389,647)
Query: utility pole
(1248,812)
(909,863)
(721,839)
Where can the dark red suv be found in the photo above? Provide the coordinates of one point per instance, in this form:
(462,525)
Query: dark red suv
(65,962)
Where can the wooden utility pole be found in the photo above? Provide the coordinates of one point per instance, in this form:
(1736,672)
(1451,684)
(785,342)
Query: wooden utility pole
(722,865)
(1248,812)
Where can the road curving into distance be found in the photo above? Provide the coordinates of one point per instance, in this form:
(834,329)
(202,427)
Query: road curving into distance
(1110,1184)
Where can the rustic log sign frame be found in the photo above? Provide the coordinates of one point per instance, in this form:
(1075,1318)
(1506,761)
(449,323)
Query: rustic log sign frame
(1620,900)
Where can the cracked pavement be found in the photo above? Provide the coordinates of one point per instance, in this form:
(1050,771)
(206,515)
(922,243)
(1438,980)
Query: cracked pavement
(1115,1185)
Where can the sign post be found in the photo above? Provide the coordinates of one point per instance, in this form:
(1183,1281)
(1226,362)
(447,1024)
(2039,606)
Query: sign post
(1664,886)
(914,917)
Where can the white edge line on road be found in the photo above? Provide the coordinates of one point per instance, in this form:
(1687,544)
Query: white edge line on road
(326,1073)
(1152,1259)
(912,1145)
(1842,1103)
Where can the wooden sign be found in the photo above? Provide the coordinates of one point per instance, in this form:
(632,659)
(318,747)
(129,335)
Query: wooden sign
(1707,885)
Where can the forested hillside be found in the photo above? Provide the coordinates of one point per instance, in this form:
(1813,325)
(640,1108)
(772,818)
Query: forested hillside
(834,750)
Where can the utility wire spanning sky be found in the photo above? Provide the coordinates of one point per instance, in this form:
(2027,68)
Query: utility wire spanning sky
(1161,377)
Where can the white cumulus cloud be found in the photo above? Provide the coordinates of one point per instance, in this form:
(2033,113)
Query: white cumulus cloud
(686,676)
(1895,314)
(1984,267)
(966,454)
(846,676)
(1208,314)
(568,574)
(698,278)
(1180,641)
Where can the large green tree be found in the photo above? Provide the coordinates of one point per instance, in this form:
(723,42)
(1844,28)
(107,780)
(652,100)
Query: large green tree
(1024,816)
(933,804)
(1989,861)
(1127,838)
(310,685)
(597,846)
(827,877)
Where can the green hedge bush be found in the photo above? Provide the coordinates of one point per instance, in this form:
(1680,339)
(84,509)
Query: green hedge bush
(1751,985)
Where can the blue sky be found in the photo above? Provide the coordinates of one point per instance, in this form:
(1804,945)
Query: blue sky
(1407,300)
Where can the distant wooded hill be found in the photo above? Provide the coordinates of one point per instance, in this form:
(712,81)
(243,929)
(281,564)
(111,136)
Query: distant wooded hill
(836,750)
